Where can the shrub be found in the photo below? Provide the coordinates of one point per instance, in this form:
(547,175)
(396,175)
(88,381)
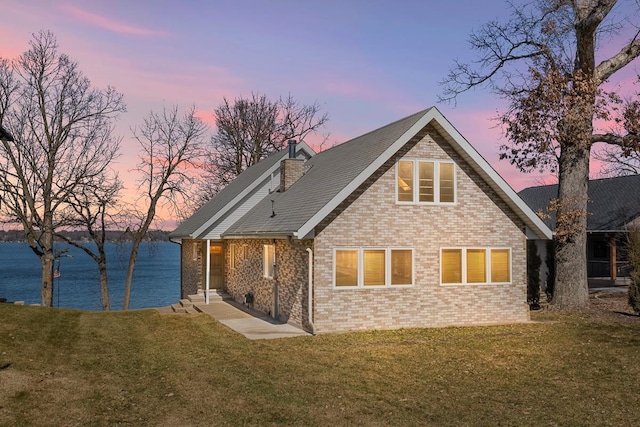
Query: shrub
(551,268)
(633,251)
(533,275)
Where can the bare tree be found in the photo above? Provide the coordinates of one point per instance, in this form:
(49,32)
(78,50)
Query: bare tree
(251,129)
(91,208)
(618,162)
(62,132)
(171,148)
(543,62)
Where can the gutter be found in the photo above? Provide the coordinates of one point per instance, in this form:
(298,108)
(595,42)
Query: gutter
(309,283)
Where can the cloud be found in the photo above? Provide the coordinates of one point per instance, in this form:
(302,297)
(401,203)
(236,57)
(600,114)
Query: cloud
(109,24)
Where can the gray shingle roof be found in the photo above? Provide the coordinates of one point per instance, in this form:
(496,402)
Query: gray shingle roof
(613,202)
(331,176)
(4,134)
(245,181)
(334,174)
(327,174)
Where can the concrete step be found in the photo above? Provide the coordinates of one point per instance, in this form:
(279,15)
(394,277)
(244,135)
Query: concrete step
(214,295)
(186,303)
(219,296)
(196,298)
(177,308)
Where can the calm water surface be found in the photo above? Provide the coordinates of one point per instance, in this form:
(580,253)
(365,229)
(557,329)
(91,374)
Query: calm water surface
(156,281)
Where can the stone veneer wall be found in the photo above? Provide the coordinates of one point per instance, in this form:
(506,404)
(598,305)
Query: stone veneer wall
(190,274)
(291,278)
(371,218)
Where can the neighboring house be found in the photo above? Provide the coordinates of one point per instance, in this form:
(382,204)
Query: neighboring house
(5,135)
(613,207)
(405,226)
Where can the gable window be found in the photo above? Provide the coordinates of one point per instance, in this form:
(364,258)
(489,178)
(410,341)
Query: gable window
(426,181)
(475,265)
(269,261)
(369,267)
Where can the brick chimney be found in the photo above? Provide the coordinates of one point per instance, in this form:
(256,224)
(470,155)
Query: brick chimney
(291,169)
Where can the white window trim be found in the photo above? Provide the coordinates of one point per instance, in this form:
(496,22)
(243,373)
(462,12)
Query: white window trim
(487,250)
(387,265)
(436,182)
(265,266)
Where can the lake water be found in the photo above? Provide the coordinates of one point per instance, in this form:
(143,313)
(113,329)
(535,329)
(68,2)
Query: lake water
(156,280)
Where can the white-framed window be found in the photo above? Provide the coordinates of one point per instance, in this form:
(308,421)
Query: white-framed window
(475,266)
(232,256)
(244,254)
(269,261)
(372,267)
(425,181)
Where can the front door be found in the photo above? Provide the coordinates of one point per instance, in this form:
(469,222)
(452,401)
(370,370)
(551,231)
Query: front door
(216,273)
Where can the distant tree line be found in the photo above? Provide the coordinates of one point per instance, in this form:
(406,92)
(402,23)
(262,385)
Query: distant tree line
(112,236)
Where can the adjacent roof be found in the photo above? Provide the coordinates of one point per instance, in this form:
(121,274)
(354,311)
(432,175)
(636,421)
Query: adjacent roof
(334,174)
(232,194)
(4,134)
(613,202)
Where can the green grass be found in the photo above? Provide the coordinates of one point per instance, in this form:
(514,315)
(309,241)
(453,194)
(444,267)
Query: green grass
(80,368)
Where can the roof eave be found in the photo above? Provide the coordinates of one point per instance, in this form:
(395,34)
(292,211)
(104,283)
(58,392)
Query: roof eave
(258,235)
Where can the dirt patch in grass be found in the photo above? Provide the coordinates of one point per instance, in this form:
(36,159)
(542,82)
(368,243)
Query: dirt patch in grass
(612,306)
(604,306)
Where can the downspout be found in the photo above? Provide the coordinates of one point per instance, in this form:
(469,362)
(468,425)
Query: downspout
(310,293)
(309,284)
(208,269)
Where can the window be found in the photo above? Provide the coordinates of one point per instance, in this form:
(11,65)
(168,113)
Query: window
(475,265)
(358,267)
(269,259)
(232,256)
(500,266)
(346,267)
(374,267)
(401,266)
(244,255)
(426,181)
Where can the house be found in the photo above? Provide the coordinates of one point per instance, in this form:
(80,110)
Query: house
(404,226)
(5,135)
(613,207)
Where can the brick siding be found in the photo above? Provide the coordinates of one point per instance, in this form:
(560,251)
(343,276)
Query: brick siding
(290,279)
(371,218)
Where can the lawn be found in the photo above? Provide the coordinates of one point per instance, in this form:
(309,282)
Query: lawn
(68,368)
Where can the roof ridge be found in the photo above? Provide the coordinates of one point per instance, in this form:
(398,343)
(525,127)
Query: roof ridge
(419,113)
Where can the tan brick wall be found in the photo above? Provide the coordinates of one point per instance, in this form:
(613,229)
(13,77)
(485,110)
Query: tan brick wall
(291,170)
(372,218)
(290,278)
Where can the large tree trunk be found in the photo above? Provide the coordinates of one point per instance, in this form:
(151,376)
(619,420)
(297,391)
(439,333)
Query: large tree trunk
(104,287)
(47,260)
(135,244)
(571,289)
(46,291)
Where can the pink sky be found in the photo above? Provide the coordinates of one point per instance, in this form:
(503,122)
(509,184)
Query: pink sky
(366,62)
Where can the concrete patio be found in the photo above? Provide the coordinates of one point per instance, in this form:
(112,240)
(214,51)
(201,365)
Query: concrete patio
(253,324)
